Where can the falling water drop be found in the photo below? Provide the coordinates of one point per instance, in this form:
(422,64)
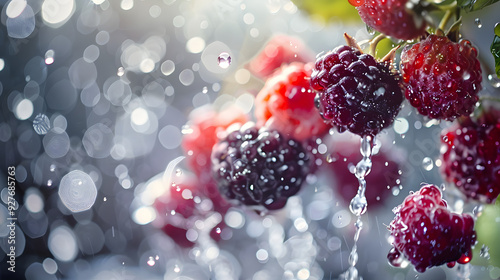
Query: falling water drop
(427,164)
(224,60)
(370,30)
(484,252)
(478,23)
(41,124)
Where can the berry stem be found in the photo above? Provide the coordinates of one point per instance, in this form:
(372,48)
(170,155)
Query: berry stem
(374,42)
(447,16)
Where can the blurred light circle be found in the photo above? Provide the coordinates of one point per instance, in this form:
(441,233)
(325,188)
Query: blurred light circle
(33,200)
(57,12)
(23,25)
(186,77)
(21,174)
(50,266)
(62,244)
(170,137)
(77,191)
(56,143)
(60,122)
(195,45)
(167,67)
(82,72)
(23,109)
(144,215)
(91,53)
(36,271)
(36,69)
(90,95)
(210,56)
(28,144)
(15,8)
(98,141)
(102,38)
(118,92)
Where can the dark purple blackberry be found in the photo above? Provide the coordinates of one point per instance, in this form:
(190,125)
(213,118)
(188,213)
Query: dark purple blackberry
(356,92)
(259,167)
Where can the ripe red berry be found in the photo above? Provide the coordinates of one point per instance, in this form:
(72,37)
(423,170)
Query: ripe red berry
(259,167)
(427,234)
(392,18)
(442,78)
(356,92)
(203,126)
(286,103)
(471,156)
(280,49)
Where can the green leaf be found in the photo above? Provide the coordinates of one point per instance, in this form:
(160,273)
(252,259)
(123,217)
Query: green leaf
(495,51)
(474,5)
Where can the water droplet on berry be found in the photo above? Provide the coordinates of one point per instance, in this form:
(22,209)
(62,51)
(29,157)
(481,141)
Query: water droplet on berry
(151,261)
(478,23)
(224,60)
(427,164)
(218,230)
(186,129)
(370,30)
(494,80)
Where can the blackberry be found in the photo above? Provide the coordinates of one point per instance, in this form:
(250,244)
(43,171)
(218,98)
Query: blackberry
(356,92)
(471,156)
(427,234)
(259,167)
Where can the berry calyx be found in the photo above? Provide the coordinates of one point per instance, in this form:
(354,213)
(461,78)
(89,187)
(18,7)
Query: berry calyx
(259,167)
(427,234)
(442,78)
(286,103)
(355,91)
(471,156)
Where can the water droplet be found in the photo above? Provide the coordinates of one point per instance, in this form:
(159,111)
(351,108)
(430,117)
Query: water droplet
(370,30)
(186,129)
(104,199)
(52,168)
(157,257)
(41,124)
(358,205)
(484,252)
(218,230)
(178,172)
(363,168)
(151,261)
(427,163)
(177,269)
(478,23)
(49,183)
(494,80)
(224,60)
(204,90)
(497,29)
(49,57)
(120,71)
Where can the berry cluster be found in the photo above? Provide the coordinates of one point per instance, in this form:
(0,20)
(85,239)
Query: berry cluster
(427,234)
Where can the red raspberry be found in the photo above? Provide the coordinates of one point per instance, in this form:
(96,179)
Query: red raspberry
(356,92)
(204,124)
(281,49)
(471,156)
(286,103)
(427,234)
(442,78)
(393,18)
(259,167)
(383,175)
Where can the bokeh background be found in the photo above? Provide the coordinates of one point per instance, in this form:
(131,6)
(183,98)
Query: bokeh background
(98,93)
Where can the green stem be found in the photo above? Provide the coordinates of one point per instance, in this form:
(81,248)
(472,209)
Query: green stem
(447,16)
(374,42)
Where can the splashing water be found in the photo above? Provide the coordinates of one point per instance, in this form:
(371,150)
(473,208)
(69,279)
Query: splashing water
(359,204)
